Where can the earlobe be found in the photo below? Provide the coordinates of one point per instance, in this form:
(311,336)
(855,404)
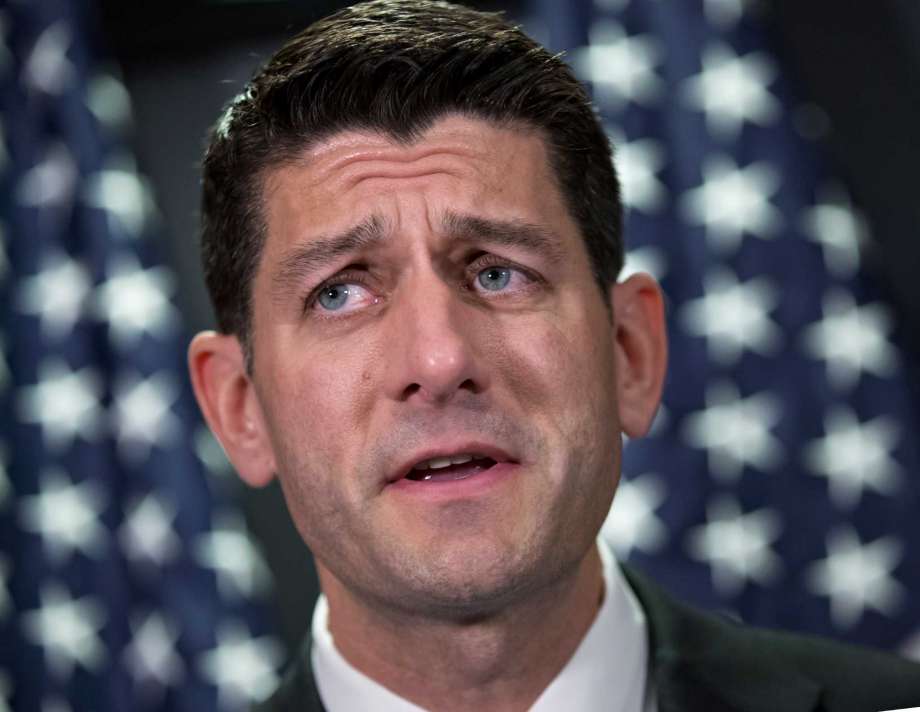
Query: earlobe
(641,351)
(228,400)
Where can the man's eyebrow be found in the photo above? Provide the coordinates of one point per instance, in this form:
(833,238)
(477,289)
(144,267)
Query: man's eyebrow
(304,260)
(508,233)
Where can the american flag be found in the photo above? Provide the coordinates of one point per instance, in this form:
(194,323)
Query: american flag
(779,483)
(127,581)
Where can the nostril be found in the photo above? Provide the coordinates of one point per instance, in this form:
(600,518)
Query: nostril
(438,385)
(412,389)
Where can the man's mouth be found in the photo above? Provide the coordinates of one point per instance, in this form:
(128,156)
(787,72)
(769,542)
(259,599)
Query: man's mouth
(450,468)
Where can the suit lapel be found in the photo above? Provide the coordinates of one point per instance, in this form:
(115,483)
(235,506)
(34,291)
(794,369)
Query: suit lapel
(700,662)
(297,691)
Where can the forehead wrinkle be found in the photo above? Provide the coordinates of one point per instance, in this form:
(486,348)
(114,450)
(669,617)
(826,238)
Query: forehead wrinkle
(347,160)
(303,260)
(508,233)
(399,161)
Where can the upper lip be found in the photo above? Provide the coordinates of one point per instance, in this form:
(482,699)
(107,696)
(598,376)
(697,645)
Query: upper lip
(474,447)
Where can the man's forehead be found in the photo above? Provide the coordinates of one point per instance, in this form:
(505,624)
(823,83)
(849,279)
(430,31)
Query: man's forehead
(466,137)
(501,169)
(299,262)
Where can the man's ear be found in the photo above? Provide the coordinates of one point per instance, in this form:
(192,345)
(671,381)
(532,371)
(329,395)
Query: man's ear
(229,403)
(641,351)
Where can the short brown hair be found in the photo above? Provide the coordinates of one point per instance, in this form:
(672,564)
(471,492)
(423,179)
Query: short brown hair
(395,66)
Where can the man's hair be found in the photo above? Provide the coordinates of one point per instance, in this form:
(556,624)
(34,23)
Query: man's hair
(395,66)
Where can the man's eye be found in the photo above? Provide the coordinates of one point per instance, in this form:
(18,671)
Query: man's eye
(499,278)
(494,278)
(343,297)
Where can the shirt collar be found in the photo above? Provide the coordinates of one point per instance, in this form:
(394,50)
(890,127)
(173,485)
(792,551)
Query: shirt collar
(342,687)
(607,671)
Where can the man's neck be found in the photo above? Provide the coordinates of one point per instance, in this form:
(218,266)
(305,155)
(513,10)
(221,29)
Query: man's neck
(501,662)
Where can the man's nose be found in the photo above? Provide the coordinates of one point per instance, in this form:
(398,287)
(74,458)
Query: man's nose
(433,350)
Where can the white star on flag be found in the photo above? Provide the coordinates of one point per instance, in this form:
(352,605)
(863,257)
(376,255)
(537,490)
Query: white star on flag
(47,68)
(142,414)
(51,182)
(840,229)
(211,453)
(620,68)
(67,629)
(731,90)
(109,101)
(733,317)
(852,339)
(228,550)
(733,201)
(637,164)
(241,667)
(644,259)
(724,14)
(151,655)
(736,431)
(736,546)
(56,294)
(66,515)
(632,523)
(147,534)
(124,196)
(136,301)
(66,404)
(855,456)
(857,576)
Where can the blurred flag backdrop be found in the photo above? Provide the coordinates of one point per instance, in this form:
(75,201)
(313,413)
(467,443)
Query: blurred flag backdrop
(125,582)
(780,481)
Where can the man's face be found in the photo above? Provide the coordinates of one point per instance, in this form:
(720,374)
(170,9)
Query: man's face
(420,303)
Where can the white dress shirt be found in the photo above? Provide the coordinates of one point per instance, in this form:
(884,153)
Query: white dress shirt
(607,673)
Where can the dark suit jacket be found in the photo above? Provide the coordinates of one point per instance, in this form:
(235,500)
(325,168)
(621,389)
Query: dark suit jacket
(701,662)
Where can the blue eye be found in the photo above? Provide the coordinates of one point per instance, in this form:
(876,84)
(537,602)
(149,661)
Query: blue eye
(343,297)
(494,278)
(333,297)
(340,299)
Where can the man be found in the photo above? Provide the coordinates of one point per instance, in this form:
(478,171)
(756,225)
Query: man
(412,238)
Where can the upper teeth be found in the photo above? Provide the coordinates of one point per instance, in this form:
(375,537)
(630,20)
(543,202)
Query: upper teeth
(436,463)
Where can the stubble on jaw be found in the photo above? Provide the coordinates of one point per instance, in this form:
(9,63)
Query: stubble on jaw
(475,661)
(427,581)
(416,580)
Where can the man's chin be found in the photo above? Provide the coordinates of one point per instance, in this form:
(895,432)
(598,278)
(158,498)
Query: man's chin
(465,582)
(461,601)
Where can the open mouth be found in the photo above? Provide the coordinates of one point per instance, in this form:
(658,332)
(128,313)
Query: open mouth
(448,469)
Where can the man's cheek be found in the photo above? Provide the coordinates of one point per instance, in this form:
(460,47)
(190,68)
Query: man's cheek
(551,365)
(317,395)
(313,491)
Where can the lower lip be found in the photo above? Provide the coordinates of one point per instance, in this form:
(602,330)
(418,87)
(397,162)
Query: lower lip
(471,486)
